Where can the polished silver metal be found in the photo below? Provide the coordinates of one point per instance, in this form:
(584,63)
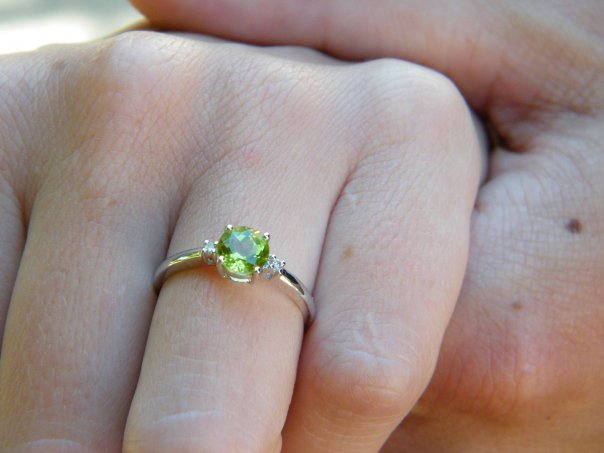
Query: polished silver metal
(206,256)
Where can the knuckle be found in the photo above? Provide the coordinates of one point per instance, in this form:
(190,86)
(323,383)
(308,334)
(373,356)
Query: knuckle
(140,78)
(263,90)
(437,100)
(358,383)
(140,59)
(122,119)
(263,104)
(407,100)
(421,112)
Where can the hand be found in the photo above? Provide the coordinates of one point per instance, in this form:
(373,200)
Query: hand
(113,154)
(522,364)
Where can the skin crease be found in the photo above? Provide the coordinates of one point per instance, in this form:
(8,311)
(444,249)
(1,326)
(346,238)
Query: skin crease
(118,152)
(521,366)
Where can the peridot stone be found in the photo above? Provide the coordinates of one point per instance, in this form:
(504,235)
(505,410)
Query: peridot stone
(243,249)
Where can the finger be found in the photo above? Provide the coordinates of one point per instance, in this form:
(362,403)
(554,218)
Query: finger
(392,267)
(82,301)
(78,319)
(435,33)
(221,359)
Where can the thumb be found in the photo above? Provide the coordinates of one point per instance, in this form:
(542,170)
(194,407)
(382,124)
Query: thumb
(496,52)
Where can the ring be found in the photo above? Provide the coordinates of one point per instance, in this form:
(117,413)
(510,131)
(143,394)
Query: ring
(240,255)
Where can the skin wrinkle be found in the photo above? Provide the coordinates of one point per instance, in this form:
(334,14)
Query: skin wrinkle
(63,445)
(71,430)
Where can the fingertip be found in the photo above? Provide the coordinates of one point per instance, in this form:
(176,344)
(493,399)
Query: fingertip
(164,11)
(257,22)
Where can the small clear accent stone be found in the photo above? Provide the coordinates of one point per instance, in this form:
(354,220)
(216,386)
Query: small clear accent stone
(209,250)
(273,267)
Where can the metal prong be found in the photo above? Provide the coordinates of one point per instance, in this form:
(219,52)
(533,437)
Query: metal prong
(229,227)
(267,236)
(220,268)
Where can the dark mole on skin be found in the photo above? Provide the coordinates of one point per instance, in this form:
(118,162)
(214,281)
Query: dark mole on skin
(574,226)
(516,306)
(347,252)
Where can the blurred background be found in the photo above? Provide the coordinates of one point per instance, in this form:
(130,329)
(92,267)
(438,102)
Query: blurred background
(29,24)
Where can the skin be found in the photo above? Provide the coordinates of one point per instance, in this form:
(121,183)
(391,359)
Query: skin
(521,365)
(116,153)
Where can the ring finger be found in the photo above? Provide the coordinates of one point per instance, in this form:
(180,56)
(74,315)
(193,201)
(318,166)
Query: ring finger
(221,357)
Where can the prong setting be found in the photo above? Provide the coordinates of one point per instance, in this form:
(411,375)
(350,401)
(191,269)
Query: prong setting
(273,267)
(220,268)
(208,252)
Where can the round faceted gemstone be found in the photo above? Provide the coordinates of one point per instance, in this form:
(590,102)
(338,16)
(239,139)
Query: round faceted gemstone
(243,249)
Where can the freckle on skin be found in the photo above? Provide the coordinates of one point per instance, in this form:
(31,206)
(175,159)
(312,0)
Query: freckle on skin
(574,226)
(347,252)
(516,306)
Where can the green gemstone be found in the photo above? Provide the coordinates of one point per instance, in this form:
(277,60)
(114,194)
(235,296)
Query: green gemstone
(243,250)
